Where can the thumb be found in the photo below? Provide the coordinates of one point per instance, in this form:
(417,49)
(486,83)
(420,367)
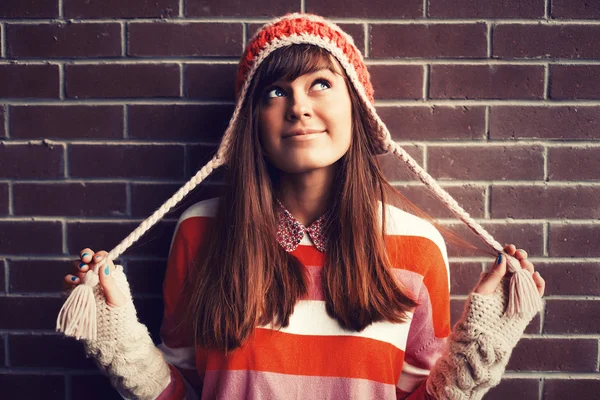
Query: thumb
(114,296)
(489,281)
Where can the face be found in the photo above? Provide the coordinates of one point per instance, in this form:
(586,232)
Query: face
(306,124)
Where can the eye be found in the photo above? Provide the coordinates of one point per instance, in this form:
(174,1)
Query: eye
(274,92)
(322,84)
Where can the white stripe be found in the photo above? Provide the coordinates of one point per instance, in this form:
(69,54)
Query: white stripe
(310,318)
(182,357)
(411,377)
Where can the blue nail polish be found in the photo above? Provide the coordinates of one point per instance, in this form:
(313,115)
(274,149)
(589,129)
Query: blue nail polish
(98,257)
(82,265)
(107,270)
(84,254)
(73,278)
(499,258)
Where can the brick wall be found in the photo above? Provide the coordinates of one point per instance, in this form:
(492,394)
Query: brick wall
(107,107)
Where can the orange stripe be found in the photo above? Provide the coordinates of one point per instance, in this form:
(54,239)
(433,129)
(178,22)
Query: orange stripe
(274,351)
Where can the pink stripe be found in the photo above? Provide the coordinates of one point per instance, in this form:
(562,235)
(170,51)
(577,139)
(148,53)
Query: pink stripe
(258,385)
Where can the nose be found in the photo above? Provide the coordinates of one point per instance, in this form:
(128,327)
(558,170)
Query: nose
(299,107)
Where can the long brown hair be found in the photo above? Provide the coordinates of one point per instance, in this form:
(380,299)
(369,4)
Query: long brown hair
(243,278)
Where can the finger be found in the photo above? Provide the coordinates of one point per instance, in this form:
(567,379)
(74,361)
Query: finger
(540,283)
(528,265)
(80,266)
(510,249)
(86,254)
(521,254)
(490,281)
(113,294)
(72,280)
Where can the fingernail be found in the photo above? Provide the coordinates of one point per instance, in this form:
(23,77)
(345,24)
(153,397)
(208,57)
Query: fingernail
(98,257)
(73,278)
(84,254)
(499,258)
(82,265)
(107,270)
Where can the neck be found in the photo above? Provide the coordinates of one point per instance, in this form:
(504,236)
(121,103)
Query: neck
(306,195)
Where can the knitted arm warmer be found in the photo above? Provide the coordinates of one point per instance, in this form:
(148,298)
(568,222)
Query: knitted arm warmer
(123,348)
(478,348)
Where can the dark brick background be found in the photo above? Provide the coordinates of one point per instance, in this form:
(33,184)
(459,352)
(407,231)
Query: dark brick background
(107,107)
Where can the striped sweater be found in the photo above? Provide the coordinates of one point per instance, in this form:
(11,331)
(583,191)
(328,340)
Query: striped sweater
(314,357)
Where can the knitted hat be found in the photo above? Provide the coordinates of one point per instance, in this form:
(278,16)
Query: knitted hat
(77,317)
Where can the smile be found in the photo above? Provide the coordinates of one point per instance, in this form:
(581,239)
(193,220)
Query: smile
(304,137)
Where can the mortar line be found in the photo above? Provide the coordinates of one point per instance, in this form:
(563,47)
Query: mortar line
(6,276)
(125,121)
(425,155)
(486,123)
(124,41)
(244,35)
(426,9)
(541,389)
(181,8)
(487,202)
(426,81)
(66,161)
(128,199)
(61,9)
(303,6)
(547,9)
(65,247)
(545,238)
(3,40)
(6,352)
(547,81)
(6,120)
(11,201)
(181,80)
(545,163)
(62,91)
(489,31)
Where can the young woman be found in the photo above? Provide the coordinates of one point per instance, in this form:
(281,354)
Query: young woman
(306,279)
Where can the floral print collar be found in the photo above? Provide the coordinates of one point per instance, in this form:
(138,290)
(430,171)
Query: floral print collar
(290,232)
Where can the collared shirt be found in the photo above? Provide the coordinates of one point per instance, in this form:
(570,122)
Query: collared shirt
(290,232)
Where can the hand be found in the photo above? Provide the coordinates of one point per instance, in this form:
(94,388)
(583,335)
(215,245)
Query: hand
(89,259)
(490,280)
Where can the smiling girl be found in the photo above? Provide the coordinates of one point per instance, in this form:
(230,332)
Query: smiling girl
(306,279)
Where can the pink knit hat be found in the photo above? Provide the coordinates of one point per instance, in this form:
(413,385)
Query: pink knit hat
(76,318)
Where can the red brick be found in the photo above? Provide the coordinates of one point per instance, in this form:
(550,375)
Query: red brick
(3,269)
(574,240)
(355,30)
(48,275)
(2,121)
(47,351)
(397,81)
(205,123)
(124,80)
(574,163)
(464,277)
(70,199)
(120,9)
(148,197)
(150,312)
(29,312)
(469,197)
(572,316)
(32,386)
(524,236)
(486,162)
(106,235)
(486,9)
(30,237)
(197,157)
(545,202)
(515,122)
(434,123)
(584,9)
(102,389)
(574,81)
(189,39)
(578,388)
(430,41)
(570,279)
(566,355)
(3,198)
(29,81)
(29,9)
(546,41)
(31,161)
(68,122)
(395,170)
(236,8)
(510,388)
(366,9)
(486,82)
(126,161)
(63,40)
(146,276)
(210,81)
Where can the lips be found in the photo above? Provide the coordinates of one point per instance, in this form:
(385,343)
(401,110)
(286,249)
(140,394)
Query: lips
(298,132)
